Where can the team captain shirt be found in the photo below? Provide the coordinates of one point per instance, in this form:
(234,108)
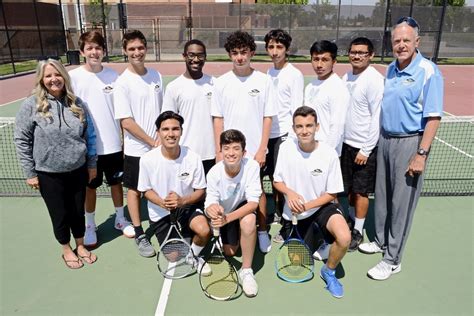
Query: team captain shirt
(243,102)
(140,98)
(96,91)
(309,174)
(330,99)
(163,175)
(230,192)
(405,110)
(192,100)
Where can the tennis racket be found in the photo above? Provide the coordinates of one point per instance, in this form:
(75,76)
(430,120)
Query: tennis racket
(223,283)
(294,262)
(175,259)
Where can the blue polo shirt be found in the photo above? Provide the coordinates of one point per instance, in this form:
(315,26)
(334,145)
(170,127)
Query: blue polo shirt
(411,96)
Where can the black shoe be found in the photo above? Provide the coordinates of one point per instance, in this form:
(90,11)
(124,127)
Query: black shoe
(356,240)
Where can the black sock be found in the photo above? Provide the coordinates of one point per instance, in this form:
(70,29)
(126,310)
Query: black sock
(138,231)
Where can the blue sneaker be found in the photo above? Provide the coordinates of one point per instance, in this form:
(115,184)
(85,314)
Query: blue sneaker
(332,284)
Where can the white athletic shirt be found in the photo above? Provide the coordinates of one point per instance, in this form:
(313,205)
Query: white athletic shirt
(308,174)
(362,127)
(96,91)
(330,99)
(163,175)
(192,100)
(138,97)
(288,86)
(243,102)
(230,192)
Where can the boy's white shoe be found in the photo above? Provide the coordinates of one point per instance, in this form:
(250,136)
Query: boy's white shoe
(125,226)
(370,248)
(249,284)
(90,236)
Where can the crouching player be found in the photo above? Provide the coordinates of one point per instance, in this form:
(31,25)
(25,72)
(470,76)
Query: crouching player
(172,180)
(309,175)
(233,193)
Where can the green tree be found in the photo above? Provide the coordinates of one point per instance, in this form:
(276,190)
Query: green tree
(94,13)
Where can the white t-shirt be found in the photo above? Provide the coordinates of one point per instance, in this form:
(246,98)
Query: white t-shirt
(362,127)
(230,192)
(192,100)
(288,86)
(308,174)
(157,173)
(330,99)
(243,102)
(96,90)
(138,97)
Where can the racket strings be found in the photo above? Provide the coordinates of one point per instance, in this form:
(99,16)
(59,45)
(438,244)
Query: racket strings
(294,262)
(175,259)
(222,283)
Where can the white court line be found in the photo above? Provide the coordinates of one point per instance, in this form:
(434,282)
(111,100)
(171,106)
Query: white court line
(453,147)
(165,293)
(5,104)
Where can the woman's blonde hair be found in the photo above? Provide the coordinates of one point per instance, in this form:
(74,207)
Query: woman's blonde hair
(40,90)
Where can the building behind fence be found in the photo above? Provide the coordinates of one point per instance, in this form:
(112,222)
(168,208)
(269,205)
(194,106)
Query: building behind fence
(30,28)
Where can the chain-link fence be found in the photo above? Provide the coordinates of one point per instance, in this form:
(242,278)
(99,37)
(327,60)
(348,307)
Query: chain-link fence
(46,28)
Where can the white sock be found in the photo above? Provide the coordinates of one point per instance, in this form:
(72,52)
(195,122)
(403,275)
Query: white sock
(119,211)
(90,218)
(352,212)
(262,232)
(359,224)
(196,249)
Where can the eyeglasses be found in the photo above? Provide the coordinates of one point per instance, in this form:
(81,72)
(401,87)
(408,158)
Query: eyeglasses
(361,54)
(409,20)
(191,56)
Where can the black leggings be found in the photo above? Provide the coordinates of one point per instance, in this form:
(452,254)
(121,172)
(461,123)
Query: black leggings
(64,195)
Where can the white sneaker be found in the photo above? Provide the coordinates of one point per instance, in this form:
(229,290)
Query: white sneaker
(264,242)
(201,267)
(383,270)
(370,248)
(125,226)
(323,252)
(249,284)
(90,236)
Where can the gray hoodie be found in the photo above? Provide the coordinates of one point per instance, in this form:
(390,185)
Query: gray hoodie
(59,143)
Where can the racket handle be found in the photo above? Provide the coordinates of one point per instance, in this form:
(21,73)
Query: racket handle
(294,220)
(215,231)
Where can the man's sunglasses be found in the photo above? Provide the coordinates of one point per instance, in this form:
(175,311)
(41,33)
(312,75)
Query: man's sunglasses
(409,20)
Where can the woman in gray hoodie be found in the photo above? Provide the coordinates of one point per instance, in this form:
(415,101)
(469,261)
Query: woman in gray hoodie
(55,143)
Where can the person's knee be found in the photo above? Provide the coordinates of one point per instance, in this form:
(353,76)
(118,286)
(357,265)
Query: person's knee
(248,225)
(343,238)
(200,227)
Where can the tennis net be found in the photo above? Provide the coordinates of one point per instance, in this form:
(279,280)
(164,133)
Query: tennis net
(449,170)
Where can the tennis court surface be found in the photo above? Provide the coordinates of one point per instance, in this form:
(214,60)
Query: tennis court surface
(436,277)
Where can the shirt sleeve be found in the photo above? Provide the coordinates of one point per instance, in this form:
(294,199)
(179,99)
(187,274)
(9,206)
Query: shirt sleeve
(24,137)
(253,189)
(297,89)
(338,111)
(433,93)
(121,102)
(334,184)
(90,140)
(144,182)
(169,101)
(270,109)
(374,99)
(216,101)
(212,191)
(199,181)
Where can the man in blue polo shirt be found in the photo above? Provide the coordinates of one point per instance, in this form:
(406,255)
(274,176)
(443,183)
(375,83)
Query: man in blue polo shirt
(411,112)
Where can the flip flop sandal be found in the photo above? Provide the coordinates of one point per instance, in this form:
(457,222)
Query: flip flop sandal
(87,259)
(68,263)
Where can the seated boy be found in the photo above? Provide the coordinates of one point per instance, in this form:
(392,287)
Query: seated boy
(172,180)
(309,175)
(233,193)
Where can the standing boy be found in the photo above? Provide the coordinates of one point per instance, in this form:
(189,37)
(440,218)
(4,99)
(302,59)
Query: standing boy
(190,95)
(233,193)
(172,180)
(288,85)
(361,133)
(242,102)
(94,84)
(308,173)
(328,95)
(138,96)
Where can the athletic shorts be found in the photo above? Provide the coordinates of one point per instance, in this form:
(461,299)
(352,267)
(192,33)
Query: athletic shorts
(358,178)
(110,165)
(131,171)
(208,164)
(230,233)
(313,229)
(184,217)
(272,155)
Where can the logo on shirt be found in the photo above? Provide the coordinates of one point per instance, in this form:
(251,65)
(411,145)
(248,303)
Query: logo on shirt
(108,89)
(209,95)
(254,92)
(157,87)
(408,81)
(316,172)
(183,176)
(232,189)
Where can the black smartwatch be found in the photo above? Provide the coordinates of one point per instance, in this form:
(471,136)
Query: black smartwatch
(422,152)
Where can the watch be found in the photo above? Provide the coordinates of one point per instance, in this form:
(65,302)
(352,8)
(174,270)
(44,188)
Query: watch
(422,152)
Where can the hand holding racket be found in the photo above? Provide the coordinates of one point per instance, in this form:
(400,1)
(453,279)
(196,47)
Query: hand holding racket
(223,283)
(294,262)
(175,258)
